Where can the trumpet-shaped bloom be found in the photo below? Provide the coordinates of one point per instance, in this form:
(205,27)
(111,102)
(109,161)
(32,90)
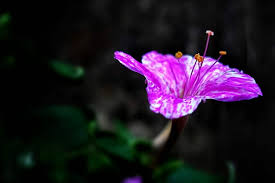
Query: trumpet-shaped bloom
(177,84)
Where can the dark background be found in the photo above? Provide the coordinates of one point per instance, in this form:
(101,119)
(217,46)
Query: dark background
(87,33)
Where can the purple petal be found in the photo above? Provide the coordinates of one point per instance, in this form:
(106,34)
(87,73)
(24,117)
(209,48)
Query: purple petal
(134,65)
(171,106)
(129,62)
(168,71)
(225,84)
(136,179)
(169,78)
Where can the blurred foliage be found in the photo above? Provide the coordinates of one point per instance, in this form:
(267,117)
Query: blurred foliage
(186,174)
(44,141)
(4,23)
(67,70)
(231,172)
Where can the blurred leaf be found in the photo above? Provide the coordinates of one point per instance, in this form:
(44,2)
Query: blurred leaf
(168,168)
(123,132)
(145,159)
(7,62)
(98,161)
(4,23)
(116,147)
(92,128)
(26,159)
(4,19)
(50,154)
(190,175)
(143,150)
(59,174)
(67,70)
(231,172)
(142,145)
(61,126)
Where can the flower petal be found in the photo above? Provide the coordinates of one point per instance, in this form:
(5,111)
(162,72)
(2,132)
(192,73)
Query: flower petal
(129,62)
(225,84)
(134,65)
(136,179)
(171,106)
(167,70)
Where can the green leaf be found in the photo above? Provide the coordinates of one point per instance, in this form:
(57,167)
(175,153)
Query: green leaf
(142,145)
(4,19)
(116,147)
(145,159)
(141,148)
(59,173)
(92,128)
(67,70)
(143,151)
(190,175)
(123,132)
(61,126)
(7,62)
(98,161)
(4,24)
(163,171)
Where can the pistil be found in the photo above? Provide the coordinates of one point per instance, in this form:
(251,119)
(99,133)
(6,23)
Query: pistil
(201,59)
(209,33)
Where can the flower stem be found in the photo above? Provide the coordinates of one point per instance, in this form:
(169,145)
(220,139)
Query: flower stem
(168,137)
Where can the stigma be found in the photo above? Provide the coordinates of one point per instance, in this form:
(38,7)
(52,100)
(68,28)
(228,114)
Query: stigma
(209,32)
(199,58)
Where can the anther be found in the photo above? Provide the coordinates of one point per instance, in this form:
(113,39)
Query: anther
(222,52)
(198,57)
(178,55)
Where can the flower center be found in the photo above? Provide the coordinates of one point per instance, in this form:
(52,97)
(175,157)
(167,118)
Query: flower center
(191,90)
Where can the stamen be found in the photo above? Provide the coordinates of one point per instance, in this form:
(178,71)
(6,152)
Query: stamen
(178,55)
(199,58)
(221,54)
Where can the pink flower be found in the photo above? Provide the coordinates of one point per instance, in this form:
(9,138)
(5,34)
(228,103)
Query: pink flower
(177,84)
